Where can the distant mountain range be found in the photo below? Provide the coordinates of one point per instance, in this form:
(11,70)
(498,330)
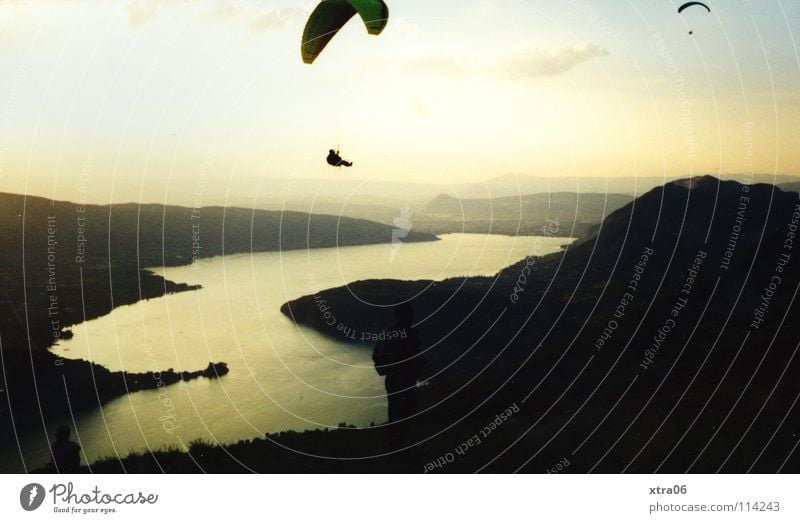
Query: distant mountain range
(345,193)
(513,185)
(575,214)
(510,204)
(790,186)
(339,195)
(570,214)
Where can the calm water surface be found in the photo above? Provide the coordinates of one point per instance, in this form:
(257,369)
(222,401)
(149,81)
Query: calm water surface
(281,376)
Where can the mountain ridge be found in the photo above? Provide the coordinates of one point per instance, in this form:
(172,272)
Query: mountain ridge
(652,339)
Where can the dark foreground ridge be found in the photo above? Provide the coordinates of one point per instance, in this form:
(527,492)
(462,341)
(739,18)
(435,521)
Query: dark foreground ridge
(660,344)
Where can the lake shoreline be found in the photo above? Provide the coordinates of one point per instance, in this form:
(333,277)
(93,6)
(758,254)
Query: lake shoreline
(29,352)
(455,254)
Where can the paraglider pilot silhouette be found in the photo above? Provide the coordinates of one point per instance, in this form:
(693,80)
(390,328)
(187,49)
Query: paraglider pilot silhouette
(398,358)
(335,160)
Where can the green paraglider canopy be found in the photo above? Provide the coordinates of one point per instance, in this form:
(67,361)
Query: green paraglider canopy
(331,15)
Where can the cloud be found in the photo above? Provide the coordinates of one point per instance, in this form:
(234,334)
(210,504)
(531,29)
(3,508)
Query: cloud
(436,65)
(257,16)
(254,15)
(530,62)
(142,11)
(223,12)
(420,107)
(534,62)
(275,19)
(484,8)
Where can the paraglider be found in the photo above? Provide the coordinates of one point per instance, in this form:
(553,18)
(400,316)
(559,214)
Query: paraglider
(331,15)
(335,160)
(323,24)
(690,4)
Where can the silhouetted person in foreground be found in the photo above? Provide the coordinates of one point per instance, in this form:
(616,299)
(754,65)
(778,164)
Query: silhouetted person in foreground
(66,453)
(335,160)
(398,358)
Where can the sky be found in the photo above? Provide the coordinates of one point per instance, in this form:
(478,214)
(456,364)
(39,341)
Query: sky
(150,100)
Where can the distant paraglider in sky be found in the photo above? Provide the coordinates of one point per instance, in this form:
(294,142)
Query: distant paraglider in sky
(331,15)
(690,4)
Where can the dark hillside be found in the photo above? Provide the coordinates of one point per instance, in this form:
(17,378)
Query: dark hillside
(663,342)
(62,263)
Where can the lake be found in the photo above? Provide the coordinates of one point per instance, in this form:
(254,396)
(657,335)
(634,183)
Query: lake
(282,377)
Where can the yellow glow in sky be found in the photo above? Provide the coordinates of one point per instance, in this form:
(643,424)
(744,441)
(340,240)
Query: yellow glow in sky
(121,101)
